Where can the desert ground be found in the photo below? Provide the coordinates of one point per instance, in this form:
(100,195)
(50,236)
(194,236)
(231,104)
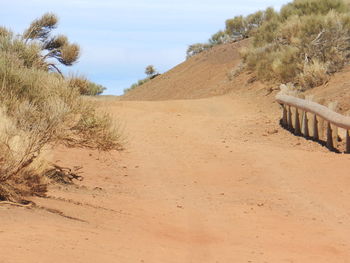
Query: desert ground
(207,175)
(205,180)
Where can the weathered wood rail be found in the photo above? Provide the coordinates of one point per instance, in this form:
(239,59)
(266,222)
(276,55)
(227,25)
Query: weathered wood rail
(297,113)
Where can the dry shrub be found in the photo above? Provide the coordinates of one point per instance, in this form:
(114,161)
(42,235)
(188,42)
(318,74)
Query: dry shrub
(313,75)
(94,130)
(51,47)
(309,7)
(69,53)
(303,44)
(40,28)
(236,29)
(19,150)
(39,108)
(285,64)
(85,86)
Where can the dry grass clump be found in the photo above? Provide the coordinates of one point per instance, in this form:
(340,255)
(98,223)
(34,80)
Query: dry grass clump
(314,74)
(85,86)
(304,44)
(39,108)
(94,130)
(19,149)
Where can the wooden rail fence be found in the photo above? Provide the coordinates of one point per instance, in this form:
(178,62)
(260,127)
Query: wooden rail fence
(297,114)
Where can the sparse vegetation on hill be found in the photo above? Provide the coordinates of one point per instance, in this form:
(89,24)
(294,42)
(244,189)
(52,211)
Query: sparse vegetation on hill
(39,108)
(304,43)
(151,73)
(236,29)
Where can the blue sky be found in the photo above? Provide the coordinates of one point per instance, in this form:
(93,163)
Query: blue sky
(120,38)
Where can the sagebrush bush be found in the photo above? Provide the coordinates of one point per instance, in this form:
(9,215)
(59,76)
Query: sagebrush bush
(85,86)
(39,108)
(52,47)
(303,44)
(314,74)
(312,7)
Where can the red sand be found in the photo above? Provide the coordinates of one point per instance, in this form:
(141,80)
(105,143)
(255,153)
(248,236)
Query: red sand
(208,180)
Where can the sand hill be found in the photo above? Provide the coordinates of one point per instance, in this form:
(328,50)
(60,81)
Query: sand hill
(207,74)
(201,76)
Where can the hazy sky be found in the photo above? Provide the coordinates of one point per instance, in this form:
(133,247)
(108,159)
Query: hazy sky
(120,38)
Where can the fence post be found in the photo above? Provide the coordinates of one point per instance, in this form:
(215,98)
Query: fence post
(290,122)
(285,117)
(335,132)
(315,131)
(306,125)
(297,130)
(329,136)
(347,142)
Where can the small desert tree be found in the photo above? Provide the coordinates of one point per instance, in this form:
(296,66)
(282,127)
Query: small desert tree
(150,71)
(53,48)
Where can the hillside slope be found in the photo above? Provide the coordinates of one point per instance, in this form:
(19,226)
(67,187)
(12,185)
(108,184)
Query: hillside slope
(201,76)
(206,75)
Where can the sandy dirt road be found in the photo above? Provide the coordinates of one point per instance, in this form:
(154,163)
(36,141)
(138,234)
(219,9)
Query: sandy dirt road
(210,180)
